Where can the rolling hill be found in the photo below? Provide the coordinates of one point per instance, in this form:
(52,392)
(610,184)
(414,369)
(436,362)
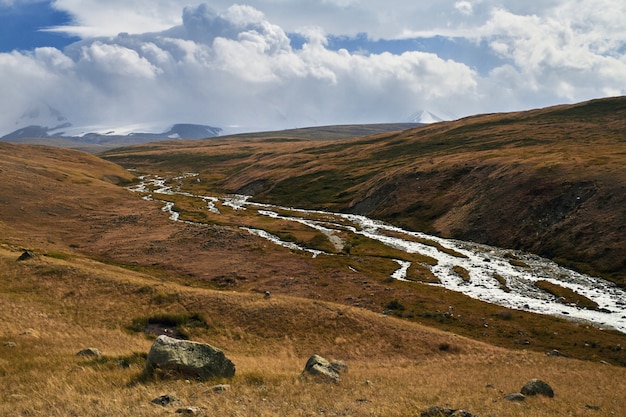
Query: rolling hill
(106,260)
(551,181)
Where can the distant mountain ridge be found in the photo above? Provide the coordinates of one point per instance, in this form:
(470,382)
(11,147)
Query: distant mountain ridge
(428,117)
(177,131)
(43,124)
(103,141)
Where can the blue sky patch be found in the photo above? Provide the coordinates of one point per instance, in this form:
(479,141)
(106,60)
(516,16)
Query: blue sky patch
(21,27)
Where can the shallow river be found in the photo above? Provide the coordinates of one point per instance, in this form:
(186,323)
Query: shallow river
(492,276)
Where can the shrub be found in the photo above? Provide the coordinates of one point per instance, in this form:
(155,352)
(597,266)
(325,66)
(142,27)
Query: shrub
(394,305)
(175,323)
(505,315)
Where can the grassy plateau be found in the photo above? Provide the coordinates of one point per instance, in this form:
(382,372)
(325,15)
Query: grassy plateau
(109,269)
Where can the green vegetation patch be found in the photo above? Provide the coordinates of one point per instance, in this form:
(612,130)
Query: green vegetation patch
(177,325)
(502,281)
(320,189)
(358,245)
(462,272)
(178,160)
(427,242)
(566,296)
(422,273)
(134,360)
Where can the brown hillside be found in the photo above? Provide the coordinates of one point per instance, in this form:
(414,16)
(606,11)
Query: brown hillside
(107,263)
(551,181)
(60,203)
(59,200)
(52,308)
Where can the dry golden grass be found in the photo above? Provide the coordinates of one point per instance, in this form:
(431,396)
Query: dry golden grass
(52,308)
(107,259)
(97,219)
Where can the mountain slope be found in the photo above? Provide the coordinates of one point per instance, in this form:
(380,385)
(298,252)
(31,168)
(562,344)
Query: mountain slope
(550,181)
(64,204)
(66,136)
(107,263)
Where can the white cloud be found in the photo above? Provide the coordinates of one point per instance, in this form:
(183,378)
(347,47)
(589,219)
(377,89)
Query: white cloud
(231,68)
(106,18)
(464,7)
(237,66)
(572,53)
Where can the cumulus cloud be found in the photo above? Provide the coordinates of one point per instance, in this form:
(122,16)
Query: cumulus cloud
(464,7)
(573,53)
(237,66)
(230,68)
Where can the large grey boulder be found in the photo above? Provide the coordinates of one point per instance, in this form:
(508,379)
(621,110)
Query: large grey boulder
(188,359)
(321,369)
(537,387)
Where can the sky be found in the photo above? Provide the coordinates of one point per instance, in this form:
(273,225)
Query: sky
(278,64)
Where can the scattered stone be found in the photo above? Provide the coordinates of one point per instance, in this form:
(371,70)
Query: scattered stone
(188,359)
(437,411)
(26,255)
(220,388)
(321,369)
(165,400)
(515,397)
(537,387)
(9,345)
(190,411)
(556,353)
(592,407)
(90,353)
(30,332)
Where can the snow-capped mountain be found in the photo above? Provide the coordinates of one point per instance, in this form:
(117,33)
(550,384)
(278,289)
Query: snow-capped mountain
(427,117)
(43,116)
(82,134)
(44,121)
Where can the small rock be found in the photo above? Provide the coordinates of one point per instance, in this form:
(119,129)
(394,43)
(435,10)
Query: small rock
(190,411)
(321,369)
(165,400)
(26,255)
(515,397)
(537,387)
(556,353)
(30,332)
(434,411)
(437,411)
(461,413)
(90,353)
(9,345)
(220,388)
(592,407)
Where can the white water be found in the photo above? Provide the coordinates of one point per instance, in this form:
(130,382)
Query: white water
(482,262)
